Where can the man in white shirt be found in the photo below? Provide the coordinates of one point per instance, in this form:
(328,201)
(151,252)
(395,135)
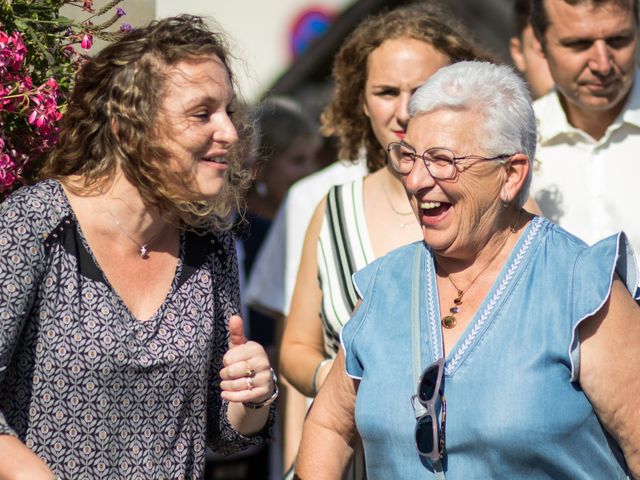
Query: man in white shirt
(587,169)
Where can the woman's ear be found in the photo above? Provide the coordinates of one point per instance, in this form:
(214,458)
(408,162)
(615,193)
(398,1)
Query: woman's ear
(517,170)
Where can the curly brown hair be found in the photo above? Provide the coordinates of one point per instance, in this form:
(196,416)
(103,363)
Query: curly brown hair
(112,120)
(344,116)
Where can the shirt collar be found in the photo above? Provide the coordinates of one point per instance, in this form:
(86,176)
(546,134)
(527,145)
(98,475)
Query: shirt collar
(555,121)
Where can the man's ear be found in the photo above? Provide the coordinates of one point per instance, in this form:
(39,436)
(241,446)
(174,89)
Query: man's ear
(517,170)
(515,48)
(538,46)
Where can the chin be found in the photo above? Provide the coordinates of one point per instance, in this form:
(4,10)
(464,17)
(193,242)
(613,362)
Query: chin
(438,243)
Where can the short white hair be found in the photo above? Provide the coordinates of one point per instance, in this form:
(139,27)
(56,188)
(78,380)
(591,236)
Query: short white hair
(494,91)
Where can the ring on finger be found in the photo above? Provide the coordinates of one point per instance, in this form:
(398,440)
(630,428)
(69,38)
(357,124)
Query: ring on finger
(250,373)
(249,382)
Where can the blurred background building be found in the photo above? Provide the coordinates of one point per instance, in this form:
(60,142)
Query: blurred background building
(287,46)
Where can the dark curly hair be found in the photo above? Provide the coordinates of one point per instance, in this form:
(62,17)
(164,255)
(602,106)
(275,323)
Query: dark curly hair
(112,119)
(344,116)
(540,19)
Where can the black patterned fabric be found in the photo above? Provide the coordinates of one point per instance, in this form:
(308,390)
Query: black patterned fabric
(89,388)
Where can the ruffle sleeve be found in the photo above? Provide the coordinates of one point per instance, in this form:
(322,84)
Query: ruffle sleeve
(593,276)
(364,282)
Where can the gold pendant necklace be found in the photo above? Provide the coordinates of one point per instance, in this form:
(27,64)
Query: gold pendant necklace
(449,321)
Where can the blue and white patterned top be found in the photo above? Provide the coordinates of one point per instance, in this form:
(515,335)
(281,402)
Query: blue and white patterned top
(514,407)
(90,389)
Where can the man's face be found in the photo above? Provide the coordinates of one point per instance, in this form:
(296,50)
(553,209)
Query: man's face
(591,54)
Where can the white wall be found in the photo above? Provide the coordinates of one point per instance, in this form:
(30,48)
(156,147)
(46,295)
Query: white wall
(258,30)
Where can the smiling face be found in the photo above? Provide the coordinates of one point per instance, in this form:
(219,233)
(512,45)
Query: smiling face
(195,119)
(457,216)
(591,55)
(394,71)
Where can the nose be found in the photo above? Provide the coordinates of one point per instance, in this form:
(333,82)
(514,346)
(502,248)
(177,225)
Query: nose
(225,132)
(601,61)
(402,110)
(418,178)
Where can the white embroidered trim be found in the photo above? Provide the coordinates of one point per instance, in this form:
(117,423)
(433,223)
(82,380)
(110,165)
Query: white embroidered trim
(535,227)
(432,318)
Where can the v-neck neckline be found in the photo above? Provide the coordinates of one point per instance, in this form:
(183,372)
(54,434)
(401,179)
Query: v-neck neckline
(493,301)
(119,300)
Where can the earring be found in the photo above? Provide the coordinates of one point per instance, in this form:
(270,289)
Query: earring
(505,202)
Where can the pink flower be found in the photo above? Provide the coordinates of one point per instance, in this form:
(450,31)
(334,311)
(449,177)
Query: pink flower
(126,27)
(87,41)
(120,12)
(87,6)
(7,171)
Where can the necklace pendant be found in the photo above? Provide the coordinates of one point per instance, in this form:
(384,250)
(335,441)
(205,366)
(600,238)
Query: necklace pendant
(449,321)
(144,251)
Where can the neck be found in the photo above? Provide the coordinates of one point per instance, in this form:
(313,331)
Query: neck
(394,191)
(594,123)
(501,240)
(124,202)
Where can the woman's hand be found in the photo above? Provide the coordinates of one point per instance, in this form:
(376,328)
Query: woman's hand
(246,379)
(246,376)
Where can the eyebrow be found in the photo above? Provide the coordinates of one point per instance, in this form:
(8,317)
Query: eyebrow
(207,99)
(578,39)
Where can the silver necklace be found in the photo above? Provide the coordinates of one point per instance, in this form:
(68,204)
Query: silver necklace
(143,249)
(393,209)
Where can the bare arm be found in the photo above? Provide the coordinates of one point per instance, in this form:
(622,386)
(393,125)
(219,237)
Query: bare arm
(302,346)
(330,428)
(17,462)
(609,361)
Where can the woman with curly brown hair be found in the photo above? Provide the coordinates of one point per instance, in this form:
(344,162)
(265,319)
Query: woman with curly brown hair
(121,352)
(377,69)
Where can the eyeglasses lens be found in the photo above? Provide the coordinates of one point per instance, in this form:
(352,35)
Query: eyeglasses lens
(425,436)
(428,384)
(440,162)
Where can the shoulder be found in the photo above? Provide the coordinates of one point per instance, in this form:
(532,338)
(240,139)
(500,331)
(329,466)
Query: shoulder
(551,120)
(39,208)
(394,267)
(320,182)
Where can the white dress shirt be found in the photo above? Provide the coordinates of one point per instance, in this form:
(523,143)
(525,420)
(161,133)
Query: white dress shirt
(589,187)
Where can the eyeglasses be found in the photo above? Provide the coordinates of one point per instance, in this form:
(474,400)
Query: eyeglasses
(441,162)
(429,433)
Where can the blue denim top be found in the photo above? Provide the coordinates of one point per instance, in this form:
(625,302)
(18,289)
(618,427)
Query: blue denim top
(514,407)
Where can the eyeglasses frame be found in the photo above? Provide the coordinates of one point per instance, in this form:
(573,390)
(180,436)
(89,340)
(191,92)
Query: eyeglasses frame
(454,159)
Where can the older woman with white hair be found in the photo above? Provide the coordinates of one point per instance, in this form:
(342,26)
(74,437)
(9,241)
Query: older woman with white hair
(501,346)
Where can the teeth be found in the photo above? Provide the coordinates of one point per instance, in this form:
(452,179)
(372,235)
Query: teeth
(215,159)
(428,205)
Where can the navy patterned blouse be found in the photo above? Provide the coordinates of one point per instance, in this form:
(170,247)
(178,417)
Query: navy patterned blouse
(89,388)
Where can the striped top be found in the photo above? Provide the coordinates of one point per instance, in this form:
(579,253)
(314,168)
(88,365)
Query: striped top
(344,247)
